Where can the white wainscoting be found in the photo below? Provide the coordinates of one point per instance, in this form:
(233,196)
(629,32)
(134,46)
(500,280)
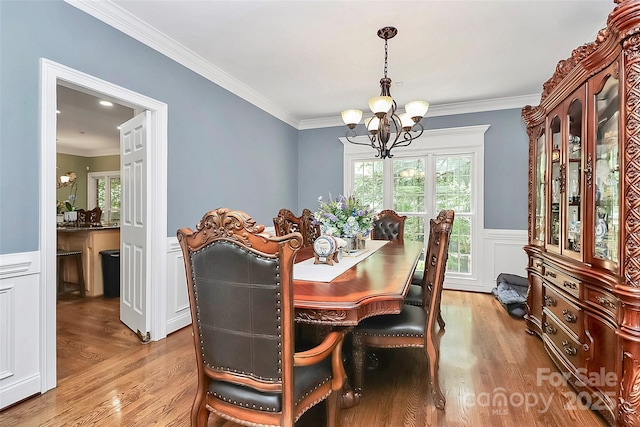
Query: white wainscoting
(19,327)
(504,253)
(178,314)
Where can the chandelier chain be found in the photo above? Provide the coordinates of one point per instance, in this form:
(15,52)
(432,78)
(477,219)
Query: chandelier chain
(386,54)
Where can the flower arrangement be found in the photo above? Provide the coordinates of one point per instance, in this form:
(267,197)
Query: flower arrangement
(70,203)
(344,217)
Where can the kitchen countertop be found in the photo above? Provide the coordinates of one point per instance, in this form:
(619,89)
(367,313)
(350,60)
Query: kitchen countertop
(67,228)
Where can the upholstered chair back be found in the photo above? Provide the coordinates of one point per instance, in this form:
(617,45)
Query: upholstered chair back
(240,286)
(388,225)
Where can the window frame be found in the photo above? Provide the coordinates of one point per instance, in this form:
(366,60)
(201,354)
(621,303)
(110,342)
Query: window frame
(92,179)
(467,141)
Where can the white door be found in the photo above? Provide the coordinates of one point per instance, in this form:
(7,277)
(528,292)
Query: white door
(134,245)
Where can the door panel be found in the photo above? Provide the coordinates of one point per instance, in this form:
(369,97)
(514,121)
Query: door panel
(134,301)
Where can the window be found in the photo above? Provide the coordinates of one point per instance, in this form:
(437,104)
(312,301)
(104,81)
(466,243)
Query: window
(441,170)
(104,191)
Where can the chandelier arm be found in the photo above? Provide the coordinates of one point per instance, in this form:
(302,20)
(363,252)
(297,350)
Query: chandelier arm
(368,144)
(408,137)
(371,143)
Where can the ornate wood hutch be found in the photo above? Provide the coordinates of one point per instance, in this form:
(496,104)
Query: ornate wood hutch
(584,217)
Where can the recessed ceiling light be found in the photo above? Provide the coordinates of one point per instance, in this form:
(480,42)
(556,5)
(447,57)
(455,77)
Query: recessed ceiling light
(106,103)
(57,111)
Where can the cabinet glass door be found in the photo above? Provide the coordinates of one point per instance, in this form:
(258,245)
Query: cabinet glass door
(540,182)
(573,182)
(556,181)
(606,173)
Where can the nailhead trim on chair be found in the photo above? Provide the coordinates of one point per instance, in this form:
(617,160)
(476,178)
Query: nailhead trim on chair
(243,404)
(389,335)
(279,302)
(301,411)
(238,421)
(312,390)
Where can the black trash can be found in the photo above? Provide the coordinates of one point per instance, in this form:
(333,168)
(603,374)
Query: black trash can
(111,273)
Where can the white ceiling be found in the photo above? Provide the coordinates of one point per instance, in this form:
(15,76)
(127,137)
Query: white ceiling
(305,61)
(86,128)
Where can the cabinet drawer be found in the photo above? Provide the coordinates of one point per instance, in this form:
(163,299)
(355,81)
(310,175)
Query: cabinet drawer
(535,264)
(571,349)
(566,312)
(563,281)
(602,299)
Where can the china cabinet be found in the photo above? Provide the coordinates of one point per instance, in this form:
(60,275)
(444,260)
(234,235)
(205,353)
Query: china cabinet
(584,218)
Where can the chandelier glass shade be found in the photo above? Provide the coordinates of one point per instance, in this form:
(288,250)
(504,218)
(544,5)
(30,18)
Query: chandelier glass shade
(386,129)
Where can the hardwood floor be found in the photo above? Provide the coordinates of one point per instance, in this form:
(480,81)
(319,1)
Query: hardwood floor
(107,378)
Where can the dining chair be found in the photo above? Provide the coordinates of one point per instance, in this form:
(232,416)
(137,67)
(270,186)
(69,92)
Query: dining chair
(287,222)
(89,217)
(241,296)
(415,293)
(414,326)
(388,225)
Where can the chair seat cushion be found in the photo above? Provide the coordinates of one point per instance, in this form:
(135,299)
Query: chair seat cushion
(307,379)
(414,295)
(410,322)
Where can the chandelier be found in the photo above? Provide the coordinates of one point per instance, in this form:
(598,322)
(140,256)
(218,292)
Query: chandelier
(386,125)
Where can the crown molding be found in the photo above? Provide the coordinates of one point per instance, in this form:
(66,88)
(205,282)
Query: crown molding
(88,153)
(442,110)
(113,15)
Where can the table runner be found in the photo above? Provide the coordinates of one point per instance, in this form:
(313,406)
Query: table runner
(307,270)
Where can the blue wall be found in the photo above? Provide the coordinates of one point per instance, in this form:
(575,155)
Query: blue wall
(222,151)
(506,152)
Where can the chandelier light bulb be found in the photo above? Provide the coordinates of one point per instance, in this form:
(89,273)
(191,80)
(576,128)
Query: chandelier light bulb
(64,179)
(351,117)
(417,109)
(380,105)
(372,123)
(407,121)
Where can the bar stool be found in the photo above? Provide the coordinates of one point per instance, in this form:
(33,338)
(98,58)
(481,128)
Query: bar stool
(62,257)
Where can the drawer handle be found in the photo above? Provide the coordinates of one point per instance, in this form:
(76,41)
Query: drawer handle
(606,303)
(570,285)
(568,316)
(570,351)
(551,274)
(549,329)
(548,301)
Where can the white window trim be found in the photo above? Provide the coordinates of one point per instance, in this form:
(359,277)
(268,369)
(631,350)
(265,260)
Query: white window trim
(467,140)
(91,185)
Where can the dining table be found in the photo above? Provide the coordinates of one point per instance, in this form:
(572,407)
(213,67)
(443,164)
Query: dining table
(373,285)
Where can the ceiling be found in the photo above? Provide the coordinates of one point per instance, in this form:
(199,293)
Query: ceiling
(86,128)
(305,61)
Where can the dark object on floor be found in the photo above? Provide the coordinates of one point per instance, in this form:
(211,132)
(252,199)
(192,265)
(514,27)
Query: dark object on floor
(511,292)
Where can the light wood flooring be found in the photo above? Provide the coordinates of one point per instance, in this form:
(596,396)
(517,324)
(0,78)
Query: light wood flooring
(107,378)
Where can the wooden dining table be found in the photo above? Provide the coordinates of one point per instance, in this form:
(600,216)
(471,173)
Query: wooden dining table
(374,286)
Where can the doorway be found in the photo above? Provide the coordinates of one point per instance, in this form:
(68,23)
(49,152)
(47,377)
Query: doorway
(53,74)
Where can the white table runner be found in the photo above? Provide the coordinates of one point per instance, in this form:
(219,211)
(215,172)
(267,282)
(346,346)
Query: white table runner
(307,270)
